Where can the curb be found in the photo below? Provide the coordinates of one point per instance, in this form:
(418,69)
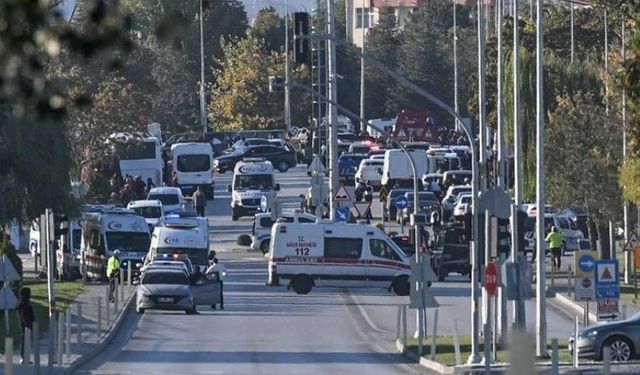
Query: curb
(575,307)
(426,363)
(106,339)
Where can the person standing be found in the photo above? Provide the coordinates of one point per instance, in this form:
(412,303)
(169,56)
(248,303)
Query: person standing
(25,311)
(221,270)
(199,201)
(555,239)
(113,271)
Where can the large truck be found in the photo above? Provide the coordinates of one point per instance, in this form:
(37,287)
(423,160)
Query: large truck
(416,126)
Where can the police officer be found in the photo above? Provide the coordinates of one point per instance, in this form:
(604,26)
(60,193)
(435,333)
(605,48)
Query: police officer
(113,271)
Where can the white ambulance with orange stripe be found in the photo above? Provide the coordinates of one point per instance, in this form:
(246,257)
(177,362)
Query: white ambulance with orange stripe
(302,256)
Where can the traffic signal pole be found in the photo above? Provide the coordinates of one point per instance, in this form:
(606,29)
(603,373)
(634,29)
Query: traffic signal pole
(333,110)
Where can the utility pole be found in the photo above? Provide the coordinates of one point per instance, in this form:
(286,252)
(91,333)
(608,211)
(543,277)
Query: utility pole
(541,316)
(203,107)
(333,110)
(500,173)
(518,312)
(606,55)
(455,64)
(363,125)
(573,48)
(627,254)
(474,356)
(287,98)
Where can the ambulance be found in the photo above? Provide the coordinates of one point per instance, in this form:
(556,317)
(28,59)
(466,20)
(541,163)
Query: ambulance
(105,232)
(179,237)
(302,256)
(253,178)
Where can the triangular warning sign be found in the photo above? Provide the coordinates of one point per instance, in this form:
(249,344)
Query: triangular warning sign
(633,241)
(401,133)
(7,270)
(362,207)
(316,165)
(606,274)
(341,195)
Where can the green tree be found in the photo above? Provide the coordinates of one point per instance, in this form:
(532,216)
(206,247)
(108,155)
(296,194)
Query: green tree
(269,26)
(582,158)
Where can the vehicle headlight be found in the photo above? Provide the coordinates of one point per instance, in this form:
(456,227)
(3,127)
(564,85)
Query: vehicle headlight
(138,265)
(235,200)
(592,333)
(215,163)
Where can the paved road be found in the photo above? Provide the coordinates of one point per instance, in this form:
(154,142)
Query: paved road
(272,330)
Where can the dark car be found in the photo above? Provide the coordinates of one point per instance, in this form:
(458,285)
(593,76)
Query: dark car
(348,165)
(390,206)
(428,203)
(282,158)
(621,337)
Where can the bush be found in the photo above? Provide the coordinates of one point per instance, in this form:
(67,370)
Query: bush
(244,240)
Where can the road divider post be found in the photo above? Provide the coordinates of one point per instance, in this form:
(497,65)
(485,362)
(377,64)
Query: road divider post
(434,335)
(8,355)
(554,356)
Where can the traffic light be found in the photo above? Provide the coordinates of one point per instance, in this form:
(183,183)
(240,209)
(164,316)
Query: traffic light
(301,50)
(504,237)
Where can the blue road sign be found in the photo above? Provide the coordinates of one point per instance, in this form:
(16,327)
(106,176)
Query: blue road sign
(264,204)
(342,214)
(586,263)
(607,281)
(401,202)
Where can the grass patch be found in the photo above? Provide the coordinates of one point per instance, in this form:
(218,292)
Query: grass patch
(445,352)
(66,293)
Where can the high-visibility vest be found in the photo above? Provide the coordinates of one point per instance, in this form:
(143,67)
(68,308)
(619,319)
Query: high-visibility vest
(113,265)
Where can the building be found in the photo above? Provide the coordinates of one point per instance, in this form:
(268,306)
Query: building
(371,9)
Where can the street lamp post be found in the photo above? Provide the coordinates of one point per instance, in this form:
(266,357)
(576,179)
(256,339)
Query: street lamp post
(203,108)
(287,97)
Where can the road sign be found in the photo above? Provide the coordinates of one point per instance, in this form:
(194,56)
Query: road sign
(264,204)
(341,195)
(491,278)
(8,271)
(342,214)
(402,202)
(362,208)
(585,288)
(383,194)
(316,165)
(421,270)
(633,242)
(584,263)
(607,281)
(517,278)
(608,309)
(8,300)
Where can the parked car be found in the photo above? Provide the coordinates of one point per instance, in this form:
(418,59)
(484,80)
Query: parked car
(390,206)
(462,205)
(428,203)
(621,337)
(282,158)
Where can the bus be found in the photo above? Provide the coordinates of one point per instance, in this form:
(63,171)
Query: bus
(142,157)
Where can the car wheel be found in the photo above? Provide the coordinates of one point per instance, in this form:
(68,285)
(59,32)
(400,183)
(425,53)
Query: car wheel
(283,166)
(620,349)
(264,246)
(401,286)
(302,284)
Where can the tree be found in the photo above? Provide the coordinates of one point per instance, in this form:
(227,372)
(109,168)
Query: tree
(582,158)
(269,26)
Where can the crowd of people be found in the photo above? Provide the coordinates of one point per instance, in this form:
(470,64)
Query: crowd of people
(129,189)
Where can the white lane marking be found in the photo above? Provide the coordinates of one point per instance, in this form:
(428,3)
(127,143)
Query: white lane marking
(364,313)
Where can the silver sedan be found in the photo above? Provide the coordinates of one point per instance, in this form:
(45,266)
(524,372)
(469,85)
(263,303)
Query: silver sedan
(164,289)
(621,337)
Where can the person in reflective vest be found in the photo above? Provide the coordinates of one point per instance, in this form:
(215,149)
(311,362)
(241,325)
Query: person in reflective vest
(113,271)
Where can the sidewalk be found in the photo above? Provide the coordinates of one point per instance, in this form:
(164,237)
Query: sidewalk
(85,340)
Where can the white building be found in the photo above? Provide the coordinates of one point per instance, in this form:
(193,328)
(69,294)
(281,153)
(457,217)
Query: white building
(371,9)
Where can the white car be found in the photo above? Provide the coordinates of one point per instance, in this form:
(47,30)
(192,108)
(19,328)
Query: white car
(151,210)
(368,171)
(34,237)
(263,223)
(449,200)
(171,198)
(462,205)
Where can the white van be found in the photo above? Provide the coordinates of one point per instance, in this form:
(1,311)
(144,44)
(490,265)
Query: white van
(368,171)
(180,237)
(263,222)
(193,164)
(336,255)
(171,198)
(397,165)
(253,178)
(151,210)
(115,229)
(444,162)
(385,124)
(68,251)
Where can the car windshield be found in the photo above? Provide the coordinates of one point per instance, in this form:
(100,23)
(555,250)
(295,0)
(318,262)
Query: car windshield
(350,159)
(253,181)
(360,149)
(128,241)
(194,163)
(198,256)
(166,199)
(148,212)
(171,278)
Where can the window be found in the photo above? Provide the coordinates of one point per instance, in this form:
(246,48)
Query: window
(345,248)
(368,17)
(382,249)
(194,163)
(266,222)
(165,199)
(140,151)
(305,220)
